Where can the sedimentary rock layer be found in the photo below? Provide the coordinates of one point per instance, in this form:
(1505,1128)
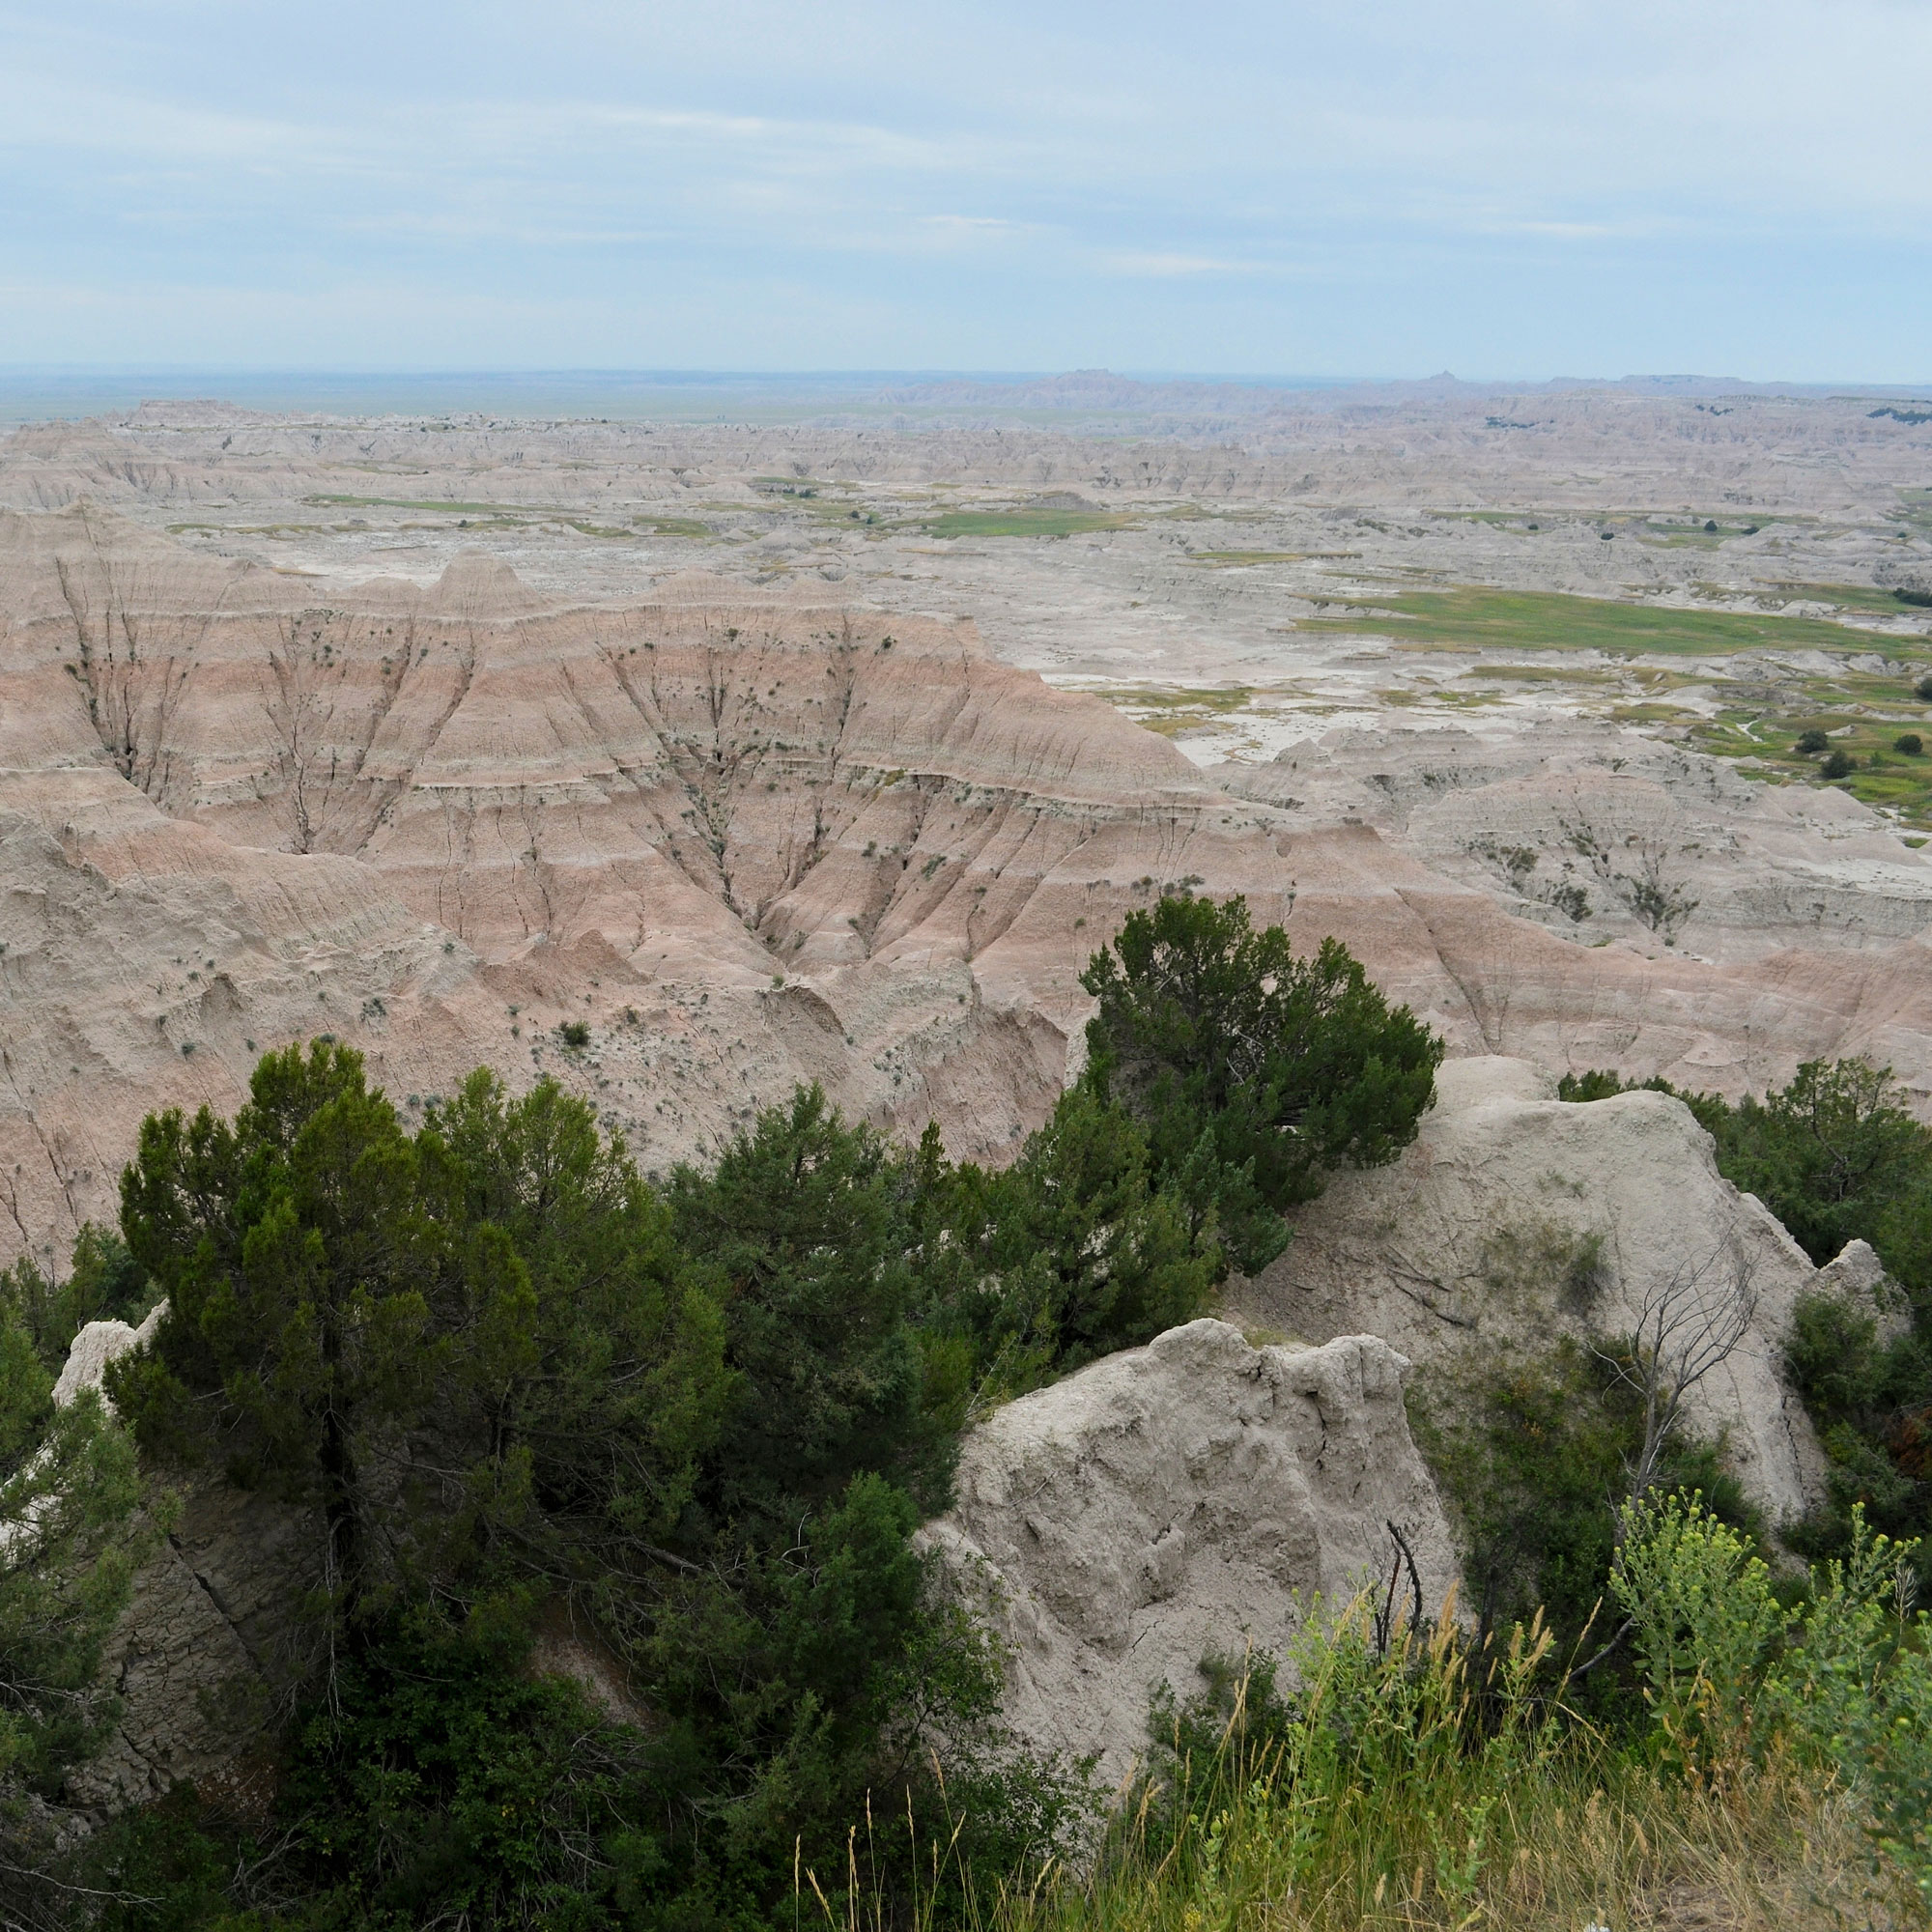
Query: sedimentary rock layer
(745,839)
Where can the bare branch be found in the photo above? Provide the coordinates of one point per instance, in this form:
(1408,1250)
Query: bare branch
(1689,1323)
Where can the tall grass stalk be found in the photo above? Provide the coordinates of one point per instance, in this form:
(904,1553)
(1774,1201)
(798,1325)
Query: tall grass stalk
(1417,1777)
(1426,1781)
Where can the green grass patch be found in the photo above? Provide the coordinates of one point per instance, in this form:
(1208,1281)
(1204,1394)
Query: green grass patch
(1171,709)
(1472,618)
(1024,522)
(1235,559)
(1671,533)
(256,529)
(802,487)
(1861,597)
(455,509)
(672,526)
(1872,712)
(1578,675)
(1675,532)
(1916,507)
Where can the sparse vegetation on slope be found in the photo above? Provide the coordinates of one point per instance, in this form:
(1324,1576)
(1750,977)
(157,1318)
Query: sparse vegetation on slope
(1486,619)
(501,1381)
(1417,1777)
(1836,1158)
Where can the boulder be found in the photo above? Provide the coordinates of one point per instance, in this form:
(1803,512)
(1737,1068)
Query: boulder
(99,1344)
(1857,1277)
(1178,1501)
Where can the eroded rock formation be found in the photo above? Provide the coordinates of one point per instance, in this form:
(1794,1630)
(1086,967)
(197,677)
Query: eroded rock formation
(1516,1218)
(1174,1502)
(745,837)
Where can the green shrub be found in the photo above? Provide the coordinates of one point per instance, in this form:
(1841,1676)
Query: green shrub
(486,1360)
(1834,1155)
(1855,1687)
(1910,743)
(1256,1072)
(1810,743)
(1838,765)
(574,1033)
(104,1283)
(1600,1084)
(1703,1617)
(1532,1454)
(68,1488)
(801,1217)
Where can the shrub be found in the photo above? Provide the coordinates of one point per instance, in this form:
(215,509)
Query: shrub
(1855,1687)
(1256,1072)
(1910,744)
(1811,743)
(1838,765)
(1831,1155)
(1600,1084)
(1923,687)
(1702,1616)
(104,1283)
(431,1342)
(1532,1454)
(1094,1252)
(574,1033)
(800,1216)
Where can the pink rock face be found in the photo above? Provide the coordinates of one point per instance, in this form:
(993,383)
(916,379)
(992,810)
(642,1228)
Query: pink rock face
(746,839)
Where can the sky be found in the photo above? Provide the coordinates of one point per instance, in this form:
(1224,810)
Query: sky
(1349,190)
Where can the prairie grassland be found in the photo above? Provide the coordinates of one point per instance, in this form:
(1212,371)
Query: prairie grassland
(1472,618)
(1025,521)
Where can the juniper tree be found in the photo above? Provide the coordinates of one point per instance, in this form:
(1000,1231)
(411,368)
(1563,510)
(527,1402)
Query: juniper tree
(1257,1071)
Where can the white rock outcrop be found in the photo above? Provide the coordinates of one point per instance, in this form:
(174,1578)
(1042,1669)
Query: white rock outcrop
(99,1344)
(1857,1277)
(1175,1501)
(1515,1218)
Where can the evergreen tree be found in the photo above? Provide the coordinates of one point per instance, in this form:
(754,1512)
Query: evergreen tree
(68,1488)
(1256,1072)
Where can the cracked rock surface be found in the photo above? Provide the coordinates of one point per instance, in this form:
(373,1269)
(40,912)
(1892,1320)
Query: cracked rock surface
(1176,1501)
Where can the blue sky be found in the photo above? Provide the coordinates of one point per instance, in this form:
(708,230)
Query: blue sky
(1327,189)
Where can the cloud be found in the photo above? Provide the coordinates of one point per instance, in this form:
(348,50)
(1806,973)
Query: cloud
(1584,184)
(1163,264)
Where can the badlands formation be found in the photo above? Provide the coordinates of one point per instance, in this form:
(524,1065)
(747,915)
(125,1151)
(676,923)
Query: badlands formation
(820,750)
(808,751)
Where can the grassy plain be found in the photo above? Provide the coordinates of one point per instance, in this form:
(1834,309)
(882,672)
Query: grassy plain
(1025,521)
(499,516)
(455,509)
(1170,709)
(1486,620)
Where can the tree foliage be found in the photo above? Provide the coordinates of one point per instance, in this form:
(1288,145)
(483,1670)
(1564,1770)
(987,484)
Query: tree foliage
(68,1488)
(507,1381)
(1257,1071)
